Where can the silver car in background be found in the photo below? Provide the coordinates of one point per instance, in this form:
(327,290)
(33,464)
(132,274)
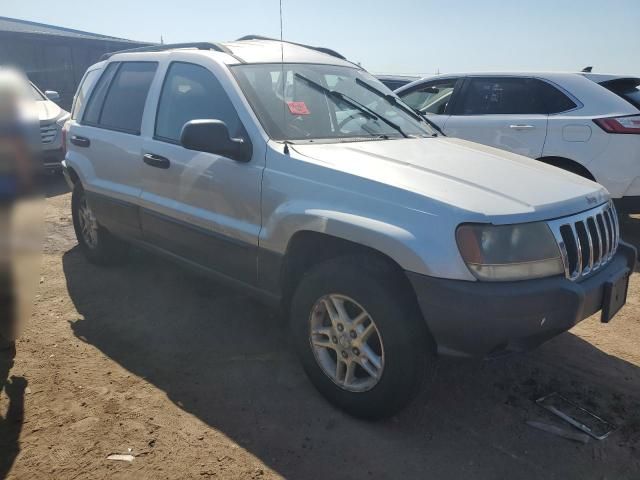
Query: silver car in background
(52,118)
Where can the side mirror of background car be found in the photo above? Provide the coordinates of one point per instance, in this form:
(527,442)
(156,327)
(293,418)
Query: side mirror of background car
(212,136)
(52,95)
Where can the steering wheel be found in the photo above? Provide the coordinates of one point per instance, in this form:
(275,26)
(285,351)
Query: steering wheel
(299,129)
(350,118)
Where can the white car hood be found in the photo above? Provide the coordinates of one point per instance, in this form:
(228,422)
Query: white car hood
(502,186)
(48,111)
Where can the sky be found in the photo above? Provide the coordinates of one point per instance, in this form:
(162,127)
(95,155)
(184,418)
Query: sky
(385,36)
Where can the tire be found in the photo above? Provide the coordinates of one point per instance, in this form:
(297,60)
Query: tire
(403,349)
(100,247)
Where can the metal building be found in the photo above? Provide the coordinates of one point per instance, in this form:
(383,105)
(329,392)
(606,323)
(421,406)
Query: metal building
(54,58)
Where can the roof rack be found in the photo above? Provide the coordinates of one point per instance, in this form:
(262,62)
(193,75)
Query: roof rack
(170,46)
(328,51)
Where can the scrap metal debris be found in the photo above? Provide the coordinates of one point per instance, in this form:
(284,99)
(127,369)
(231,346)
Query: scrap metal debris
(561,432)
(575,415)
(122,457)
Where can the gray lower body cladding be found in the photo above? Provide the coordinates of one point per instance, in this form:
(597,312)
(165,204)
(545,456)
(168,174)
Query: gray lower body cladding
(481,319)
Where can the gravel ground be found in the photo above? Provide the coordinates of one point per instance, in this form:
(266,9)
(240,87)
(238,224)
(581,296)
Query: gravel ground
(199,381)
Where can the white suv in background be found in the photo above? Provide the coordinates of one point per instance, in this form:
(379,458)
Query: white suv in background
(52,119)
(586,123)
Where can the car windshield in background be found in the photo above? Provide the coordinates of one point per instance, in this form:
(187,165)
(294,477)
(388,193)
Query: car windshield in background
(323,102)
(36,95)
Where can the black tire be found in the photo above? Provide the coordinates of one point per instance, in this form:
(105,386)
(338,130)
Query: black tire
(108,250)
(408,347)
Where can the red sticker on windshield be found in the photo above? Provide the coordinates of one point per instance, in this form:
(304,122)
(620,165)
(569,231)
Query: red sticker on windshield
(298,108)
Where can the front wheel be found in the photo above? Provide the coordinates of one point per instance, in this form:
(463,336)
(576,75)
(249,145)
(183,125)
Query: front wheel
(360,336)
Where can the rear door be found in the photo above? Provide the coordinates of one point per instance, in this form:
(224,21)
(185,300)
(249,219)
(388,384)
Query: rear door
(198,205)
(434,98)
(503,112)
(106,144)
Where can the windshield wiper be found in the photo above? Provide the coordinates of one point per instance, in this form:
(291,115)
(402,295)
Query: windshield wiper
(431,123)
(394,101)
(354,103)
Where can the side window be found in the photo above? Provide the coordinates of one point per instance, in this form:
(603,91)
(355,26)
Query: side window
(433,97)
(192,92)
(92,112)
(554,100)
(124,103)
(81,95)
(501,96)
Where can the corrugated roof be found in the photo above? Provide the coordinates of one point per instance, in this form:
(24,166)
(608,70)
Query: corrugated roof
(15,25)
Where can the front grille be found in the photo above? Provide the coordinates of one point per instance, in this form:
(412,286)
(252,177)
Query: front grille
(588,240)
(48,133)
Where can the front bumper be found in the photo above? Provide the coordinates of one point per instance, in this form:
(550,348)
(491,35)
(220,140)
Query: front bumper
(481,319)
(52,158)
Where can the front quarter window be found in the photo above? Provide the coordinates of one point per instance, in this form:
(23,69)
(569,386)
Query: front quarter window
(433,97)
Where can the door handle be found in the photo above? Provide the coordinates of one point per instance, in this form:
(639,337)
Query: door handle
(80,141)
(156,161)
(522,127)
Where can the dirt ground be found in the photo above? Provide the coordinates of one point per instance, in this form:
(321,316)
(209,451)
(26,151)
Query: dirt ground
(200,381)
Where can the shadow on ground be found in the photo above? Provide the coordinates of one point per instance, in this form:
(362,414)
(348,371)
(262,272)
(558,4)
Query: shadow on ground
(226,359)
(11,421)
(53,184)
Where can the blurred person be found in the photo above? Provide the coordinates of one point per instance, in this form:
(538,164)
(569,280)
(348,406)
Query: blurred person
(20,211)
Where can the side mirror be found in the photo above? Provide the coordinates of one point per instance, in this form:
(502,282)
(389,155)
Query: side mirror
(212,136)
(52,95)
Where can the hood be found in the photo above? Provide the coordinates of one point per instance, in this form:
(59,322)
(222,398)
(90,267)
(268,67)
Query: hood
(48,111)
(488,182)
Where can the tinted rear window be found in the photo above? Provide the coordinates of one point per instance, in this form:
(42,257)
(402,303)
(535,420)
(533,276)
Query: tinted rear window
(627,88)
(92,112)
(82,92)
(117,101)
(553,99)
(127,95)
(501,96)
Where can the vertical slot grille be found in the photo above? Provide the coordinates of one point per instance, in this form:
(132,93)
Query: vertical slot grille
(587,241)
(48,133)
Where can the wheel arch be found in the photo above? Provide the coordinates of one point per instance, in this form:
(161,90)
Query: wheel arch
(297,260)
(568,165)
(73,175)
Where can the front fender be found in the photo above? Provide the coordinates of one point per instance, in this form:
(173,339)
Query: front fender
(391,240)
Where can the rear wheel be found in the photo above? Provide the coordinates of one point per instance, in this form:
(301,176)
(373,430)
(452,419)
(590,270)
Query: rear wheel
(98,245)
(360,336)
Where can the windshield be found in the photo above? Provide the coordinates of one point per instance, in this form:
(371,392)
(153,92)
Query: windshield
(324,102)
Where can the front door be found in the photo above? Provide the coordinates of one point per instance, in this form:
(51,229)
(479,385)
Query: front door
(503,112)
(200,206)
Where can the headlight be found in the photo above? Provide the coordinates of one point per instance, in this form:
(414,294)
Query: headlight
(62,119)
(509,252)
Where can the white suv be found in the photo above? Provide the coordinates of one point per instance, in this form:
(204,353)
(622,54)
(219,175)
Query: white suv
(586,123)
(310,185)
